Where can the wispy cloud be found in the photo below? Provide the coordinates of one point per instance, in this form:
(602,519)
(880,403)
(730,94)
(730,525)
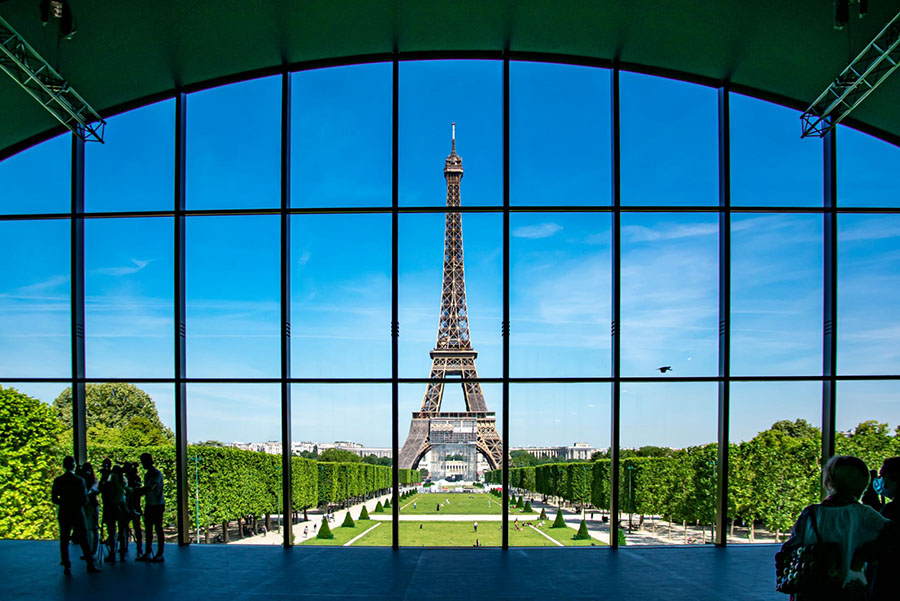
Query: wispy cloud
(304,258)
(541,230)
(136,266)
(870,229)
(640,233)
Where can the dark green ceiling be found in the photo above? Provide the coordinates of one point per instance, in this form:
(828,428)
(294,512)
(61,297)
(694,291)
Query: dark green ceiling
(130,51)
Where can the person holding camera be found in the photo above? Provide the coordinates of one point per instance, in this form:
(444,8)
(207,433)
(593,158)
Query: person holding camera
(70,496)
(154,506)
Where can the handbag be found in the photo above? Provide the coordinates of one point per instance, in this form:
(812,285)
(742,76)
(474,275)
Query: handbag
(810,569)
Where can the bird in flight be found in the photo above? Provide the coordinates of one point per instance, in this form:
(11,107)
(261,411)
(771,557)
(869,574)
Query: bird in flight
(664,369)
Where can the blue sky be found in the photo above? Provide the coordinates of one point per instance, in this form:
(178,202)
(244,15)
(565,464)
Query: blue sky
(560,262)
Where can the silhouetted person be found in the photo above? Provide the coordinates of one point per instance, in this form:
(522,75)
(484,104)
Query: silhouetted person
(133,500)
(154,506)
(870,497)
(70,496)
(886,577)
(115,510)
(842,519)
(92,511)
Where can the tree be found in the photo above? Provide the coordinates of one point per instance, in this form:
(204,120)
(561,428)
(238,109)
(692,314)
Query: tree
(373,460)
(325,531)
(528,508)
(379,508)
(111,410)
(582,533)
(543,515)
(364,514)
(559,522)
(29,458)
(423,473)
(339,456)
(348,521)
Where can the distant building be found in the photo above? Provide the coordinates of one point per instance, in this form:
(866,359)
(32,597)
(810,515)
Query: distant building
(579,451)
(273,447)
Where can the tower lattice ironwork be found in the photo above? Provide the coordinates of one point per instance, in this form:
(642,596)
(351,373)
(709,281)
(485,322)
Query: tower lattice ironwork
(453,354)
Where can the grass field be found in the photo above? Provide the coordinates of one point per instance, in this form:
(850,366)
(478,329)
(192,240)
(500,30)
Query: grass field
(342,535)
(461,504)
(451,534)
(564,535)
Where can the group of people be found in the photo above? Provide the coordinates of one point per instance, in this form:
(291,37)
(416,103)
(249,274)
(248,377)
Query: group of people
(79,493)
(867,531)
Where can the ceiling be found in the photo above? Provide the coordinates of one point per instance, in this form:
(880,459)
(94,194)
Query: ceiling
(127,52)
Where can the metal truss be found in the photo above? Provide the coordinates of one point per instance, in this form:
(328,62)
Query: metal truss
(867,71)
(453,354)
(22,62)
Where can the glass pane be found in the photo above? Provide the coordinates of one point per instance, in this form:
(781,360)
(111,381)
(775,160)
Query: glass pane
(670,152)
(670,297)
(776,294)
(341,136)
(667,482)
(868,286)
(866,170)
(234,463)
(35,316)
(341,296)
(770,164)
(774,457)
(559,465)
(128,298)
(230,167)
(453,449)
(342,459)
(421,265)
(868,422)
(124,421)
(559,135)
(559,294)
(233,283)
(38,180)
(134,168)
(434,94)
(33,441)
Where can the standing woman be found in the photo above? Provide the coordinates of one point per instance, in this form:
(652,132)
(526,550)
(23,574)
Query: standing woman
(92,511)
(842,519)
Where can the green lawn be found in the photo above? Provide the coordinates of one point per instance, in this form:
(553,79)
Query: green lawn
(451,534)
(464,504)
(342,535)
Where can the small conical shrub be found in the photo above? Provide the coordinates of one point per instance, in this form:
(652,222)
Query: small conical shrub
(528,508)
(348,521)
(582,533)
(622,541)
(543,514)
(364,515)
(519,501)
(325,531)
(379,508)
(559,522)
(387,503)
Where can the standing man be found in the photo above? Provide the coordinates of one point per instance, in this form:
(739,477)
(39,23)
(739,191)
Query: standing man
(475,524)
(70,495)
(154,506)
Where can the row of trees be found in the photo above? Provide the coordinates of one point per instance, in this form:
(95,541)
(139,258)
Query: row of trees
(772,477)
(224,483)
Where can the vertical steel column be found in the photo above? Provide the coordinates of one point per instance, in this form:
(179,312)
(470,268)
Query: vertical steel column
(504,326)
(395,324)
(615,317)
(181,472)
(76,303)
(724,315)
(287,504)
(829,305)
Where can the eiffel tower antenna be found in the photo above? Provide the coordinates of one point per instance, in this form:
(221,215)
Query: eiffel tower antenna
(452,433)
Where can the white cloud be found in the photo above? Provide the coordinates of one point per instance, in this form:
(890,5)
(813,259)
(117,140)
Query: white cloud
(640,233)
(304,257)
(136,266)
(541,230)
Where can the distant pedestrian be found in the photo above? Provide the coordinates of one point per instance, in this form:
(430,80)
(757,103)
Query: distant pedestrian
(154,506)
(414,504)
(305,531)
(475,524)
(70,495)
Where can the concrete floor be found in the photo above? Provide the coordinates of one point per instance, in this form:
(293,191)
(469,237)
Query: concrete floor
(213,572)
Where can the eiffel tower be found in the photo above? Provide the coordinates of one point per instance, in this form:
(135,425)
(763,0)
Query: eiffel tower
(475,428)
